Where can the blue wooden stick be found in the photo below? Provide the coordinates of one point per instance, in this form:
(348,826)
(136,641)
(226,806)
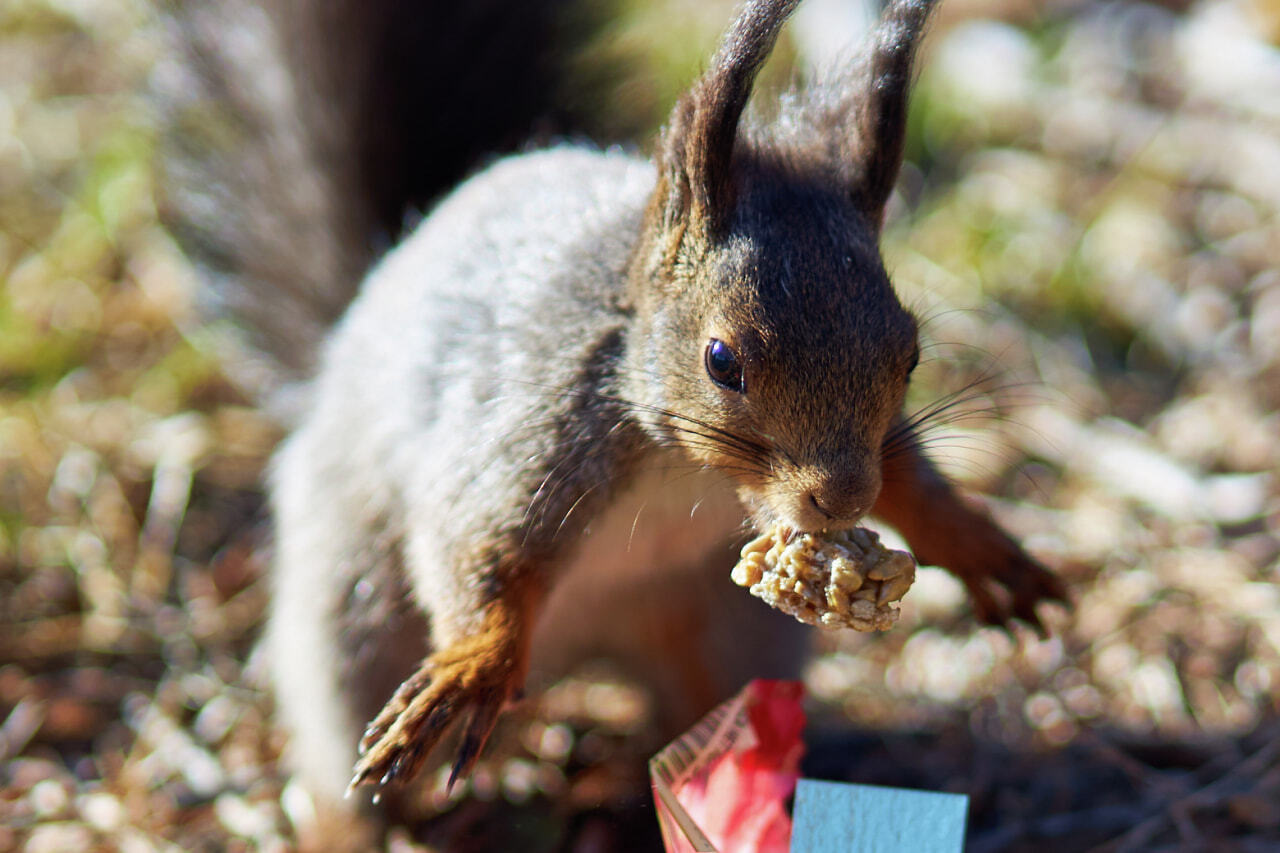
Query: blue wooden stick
(831,817)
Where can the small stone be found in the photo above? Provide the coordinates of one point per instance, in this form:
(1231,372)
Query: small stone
(242,818)
(215,719)
(48,798)
(58,838)
(101,811)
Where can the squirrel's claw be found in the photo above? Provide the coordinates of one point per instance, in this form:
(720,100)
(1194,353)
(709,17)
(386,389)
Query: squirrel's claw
(1035,584)
(483,720)
(1011,586)
(397,742)
(942,529)
(396,705)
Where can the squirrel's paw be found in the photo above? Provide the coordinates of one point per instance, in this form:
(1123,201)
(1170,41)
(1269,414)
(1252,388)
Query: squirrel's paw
(1004,581)
(398,740)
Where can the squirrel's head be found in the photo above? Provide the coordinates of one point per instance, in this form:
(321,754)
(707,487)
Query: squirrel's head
(780,350)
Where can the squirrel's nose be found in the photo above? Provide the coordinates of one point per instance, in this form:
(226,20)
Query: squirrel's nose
(818,505)
(845,499)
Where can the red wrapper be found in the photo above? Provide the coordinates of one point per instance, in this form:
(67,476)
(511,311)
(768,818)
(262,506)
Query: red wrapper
(723,786)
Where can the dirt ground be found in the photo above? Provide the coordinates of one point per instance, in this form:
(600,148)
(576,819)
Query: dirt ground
(1089,225)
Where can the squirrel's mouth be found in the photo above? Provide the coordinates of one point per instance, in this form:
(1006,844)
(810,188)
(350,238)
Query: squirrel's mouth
(794,512)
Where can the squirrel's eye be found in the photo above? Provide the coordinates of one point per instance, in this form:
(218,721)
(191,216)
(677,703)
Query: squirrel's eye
(723,366)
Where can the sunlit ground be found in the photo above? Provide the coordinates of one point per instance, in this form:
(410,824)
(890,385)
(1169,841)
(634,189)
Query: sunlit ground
(1088,226)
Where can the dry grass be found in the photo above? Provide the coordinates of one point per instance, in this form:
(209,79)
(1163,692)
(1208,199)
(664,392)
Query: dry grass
(1093,231)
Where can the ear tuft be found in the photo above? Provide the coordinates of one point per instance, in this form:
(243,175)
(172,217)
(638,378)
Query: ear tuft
(696,153)
(880,122)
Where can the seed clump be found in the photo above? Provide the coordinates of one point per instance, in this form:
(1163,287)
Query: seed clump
(841,579)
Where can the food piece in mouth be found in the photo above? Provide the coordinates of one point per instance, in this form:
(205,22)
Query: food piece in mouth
(840,579)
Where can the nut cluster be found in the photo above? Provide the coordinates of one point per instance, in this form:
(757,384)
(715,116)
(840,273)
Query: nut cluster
(844,579)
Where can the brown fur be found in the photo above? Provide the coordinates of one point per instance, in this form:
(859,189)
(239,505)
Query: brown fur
(755,237)
(481,672)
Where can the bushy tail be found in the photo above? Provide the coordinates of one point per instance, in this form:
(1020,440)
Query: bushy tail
(298,134)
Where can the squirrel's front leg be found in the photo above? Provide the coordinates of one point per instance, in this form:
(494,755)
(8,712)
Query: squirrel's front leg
(943,530)
(480,663)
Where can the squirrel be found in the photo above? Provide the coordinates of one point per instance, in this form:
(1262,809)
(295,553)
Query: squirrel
(553,412)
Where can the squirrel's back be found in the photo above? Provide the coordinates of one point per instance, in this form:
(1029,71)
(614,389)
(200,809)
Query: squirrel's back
(548,230)
(511,273)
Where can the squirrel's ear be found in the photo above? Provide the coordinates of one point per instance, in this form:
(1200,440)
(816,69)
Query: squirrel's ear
(695,183)
(880,118)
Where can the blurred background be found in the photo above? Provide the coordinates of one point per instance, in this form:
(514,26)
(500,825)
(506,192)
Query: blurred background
(1088,225)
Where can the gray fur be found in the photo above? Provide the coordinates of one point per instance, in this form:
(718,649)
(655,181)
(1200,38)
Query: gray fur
(440,410)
